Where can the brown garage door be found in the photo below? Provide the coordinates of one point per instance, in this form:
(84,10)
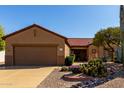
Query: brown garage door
(42,55)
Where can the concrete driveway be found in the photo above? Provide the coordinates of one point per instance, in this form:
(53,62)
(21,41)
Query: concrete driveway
(28,77)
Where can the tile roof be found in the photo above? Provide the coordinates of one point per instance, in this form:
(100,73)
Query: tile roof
(80,41)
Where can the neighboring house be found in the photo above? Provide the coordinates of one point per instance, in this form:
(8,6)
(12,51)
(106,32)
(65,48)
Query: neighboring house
(2,54)
(35,45)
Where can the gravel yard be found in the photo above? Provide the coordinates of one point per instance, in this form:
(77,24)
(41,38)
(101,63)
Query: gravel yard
(113,80)
(117,82)
(54,81)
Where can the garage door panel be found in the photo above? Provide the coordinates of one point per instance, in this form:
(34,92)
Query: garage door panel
(35,55)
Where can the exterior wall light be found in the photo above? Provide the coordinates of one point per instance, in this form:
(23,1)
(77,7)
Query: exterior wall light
(60,49)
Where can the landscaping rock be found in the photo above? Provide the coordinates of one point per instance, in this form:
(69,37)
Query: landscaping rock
(75,86)
(79,84)
(54,80)
(113,70)
(109,78)
(72,77)
(91,83)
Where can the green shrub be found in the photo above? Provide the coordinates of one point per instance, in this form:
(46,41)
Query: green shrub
(69,60)
(91,62)
(73,57)
(64,68)
(94,68)
(83,67)
(95,62)
(97,68)
(98,60)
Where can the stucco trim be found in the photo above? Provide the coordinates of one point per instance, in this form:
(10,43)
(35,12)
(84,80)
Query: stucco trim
(33,44)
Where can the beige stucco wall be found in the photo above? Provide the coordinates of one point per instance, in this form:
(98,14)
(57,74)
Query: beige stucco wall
(90,54)
(34,35)
(99,52)
(67,50)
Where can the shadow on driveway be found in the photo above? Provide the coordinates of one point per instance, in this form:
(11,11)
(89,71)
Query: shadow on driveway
(3,67)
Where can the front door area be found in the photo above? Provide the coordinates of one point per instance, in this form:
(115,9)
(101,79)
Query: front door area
(80,54)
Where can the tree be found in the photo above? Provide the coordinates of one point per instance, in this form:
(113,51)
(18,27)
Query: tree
(108,38)
(2,43)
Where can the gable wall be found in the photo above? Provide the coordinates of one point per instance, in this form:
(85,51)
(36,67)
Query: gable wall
(34,36)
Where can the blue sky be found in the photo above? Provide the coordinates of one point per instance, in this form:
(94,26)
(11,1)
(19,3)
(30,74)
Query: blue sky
(70,21)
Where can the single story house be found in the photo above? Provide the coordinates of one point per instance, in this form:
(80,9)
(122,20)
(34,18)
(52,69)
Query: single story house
(36,45)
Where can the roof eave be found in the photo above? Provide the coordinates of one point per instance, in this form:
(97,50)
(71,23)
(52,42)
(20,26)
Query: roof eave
(34,25)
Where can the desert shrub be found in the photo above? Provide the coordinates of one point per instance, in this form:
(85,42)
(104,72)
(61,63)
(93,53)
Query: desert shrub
(64,68)
(91,62)
(98,61)
(83,68)
(96,69)
(69,60)
(95,62)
